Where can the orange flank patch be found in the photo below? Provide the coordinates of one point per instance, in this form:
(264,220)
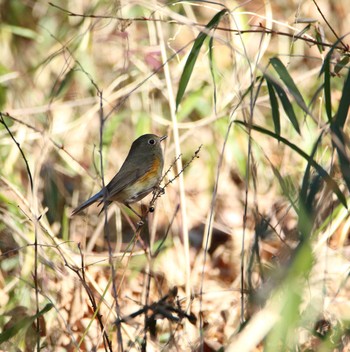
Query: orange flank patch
(154,171)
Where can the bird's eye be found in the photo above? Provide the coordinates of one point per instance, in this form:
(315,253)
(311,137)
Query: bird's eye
(151,142)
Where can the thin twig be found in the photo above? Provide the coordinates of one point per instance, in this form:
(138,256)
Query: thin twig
(161,190)
(2,121)
(36,261)
(80,272)
(194,156)
(259,29)
(59,146)
(170,167)
(155,254)
(346,47)
(106,227)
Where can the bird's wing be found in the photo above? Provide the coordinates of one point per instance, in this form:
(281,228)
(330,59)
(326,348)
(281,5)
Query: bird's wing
(126,177)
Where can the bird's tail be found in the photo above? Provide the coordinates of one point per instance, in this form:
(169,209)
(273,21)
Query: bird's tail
(87,203)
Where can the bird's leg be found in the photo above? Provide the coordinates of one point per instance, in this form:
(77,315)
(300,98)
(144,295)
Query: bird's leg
(134,211)
(158,191)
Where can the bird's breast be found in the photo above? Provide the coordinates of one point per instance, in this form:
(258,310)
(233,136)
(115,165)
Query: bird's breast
(153,173)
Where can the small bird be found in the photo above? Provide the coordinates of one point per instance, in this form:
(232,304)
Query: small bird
(139,175)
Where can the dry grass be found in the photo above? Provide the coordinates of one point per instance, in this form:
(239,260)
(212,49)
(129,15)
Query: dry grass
(177,279)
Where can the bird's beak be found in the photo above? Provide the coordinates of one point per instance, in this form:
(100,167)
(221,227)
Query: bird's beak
(162,138)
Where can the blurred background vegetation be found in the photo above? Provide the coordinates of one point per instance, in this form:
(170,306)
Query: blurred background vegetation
(248,248)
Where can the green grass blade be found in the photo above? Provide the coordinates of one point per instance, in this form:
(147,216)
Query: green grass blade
(192,58)
(321,171)
(337,123)
(338,137)
(289,295)
(61,87)
(284,186)
(341,64)
(315,97)
(339,143)
(326,70)
(22,324)
(344,104)
(287,106)
(274,106)
(306,179)
(211,66)
(307,195)
(327,88)
(303,31)
(288,81)
(315,186)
